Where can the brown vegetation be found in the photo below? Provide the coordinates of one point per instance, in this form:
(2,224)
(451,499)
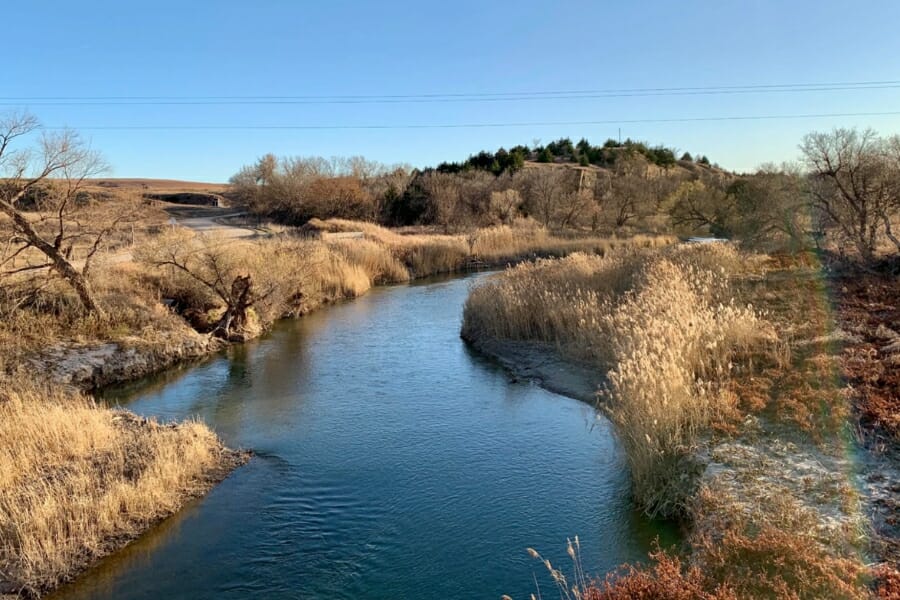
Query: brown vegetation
(855,185)
(737,429)
(658,324)
(869,307)
(698,382)
(30,184)
(128,473)
(78,481)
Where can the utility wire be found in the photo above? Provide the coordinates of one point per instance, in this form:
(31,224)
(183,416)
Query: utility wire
(472,125)
(451,97)
(445,100)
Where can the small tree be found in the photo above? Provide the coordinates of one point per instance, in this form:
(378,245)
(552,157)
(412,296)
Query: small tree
(554,196)
(235,275)
(505,205)
(516,160)
(626,193)
(771,208)
(443,203)
(58,168)
(545,156)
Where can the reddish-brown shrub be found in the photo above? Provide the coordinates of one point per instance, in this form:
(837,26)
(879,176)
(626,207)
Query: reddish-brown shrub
(668,579)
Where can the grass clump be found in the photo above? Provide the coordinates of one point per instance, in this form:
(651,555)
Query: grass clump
(672,353)
(658,323)
(379,263)
(78,481)
(427,254)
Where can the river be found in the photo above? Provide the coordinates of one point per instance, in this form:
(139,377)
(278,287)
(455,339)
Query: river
(391,461)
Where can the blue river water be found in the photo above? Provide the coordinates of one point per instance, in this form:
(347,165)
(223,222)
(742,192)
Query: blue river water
(391,461)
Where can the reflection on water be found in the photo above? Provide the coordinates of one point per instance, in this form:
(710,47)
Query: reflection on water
(391,462)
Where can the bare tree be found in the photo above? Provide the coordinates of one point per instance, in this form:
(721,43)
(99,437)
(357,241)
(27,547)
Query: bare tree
(891,209)
(625,193)
(442,190)
(59,166)
(547,191)
(235,275)
(388,187)
(853,181)
(574,206)
(771,208)
(505,205)
(698,205)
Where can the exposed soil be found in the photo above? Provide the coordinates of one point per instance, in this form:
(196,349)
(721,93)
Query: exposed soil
(162,185)
(91,367)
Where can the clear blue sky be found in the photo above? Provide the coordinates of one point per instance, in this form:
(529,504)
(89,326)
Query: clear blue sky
(293,48)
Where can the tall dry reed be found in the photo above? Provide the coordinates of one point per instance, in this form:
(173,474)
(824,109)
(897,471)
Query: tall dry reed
(77,480)
(658,323)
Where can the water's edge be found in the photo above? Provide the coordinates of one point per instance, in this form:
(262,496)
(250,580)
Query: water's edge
(543,365)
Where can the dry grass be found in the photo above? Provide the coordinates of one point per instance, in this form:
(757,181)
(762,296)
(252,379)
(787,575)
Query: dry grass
(657,323)
(673,352)
(734,556)
(686,364)
(39,319)
(432,253)
(77,480)
(740,565)
(773,547)
(300,274)
(379,263)
(563,302)
(336,275)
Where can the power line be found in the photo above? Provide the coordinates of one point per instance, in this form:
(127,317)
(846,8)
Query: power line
(473,125)
(595,91)
(451,97)
(436,100)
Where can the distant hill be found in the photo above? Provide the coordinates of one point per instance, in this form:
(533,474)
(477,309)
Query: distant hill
(161,186)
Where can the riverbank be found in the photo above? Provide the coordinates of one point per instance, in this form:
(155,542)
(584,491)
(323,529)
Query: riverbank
(79,481)
(159,316)
(754,452)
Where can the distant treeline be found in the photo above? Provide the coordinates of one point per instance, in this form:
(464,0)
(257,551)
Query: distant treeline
(630,191)
(844,192)
(564,150)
